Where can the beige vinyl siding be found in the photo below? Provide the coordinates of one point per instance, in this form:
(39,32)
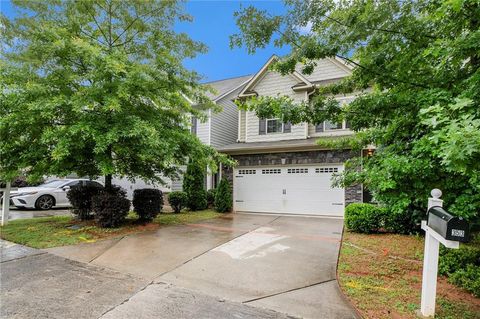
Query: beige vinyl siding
(325,70)
(242,132)
(224,125)
(274,84)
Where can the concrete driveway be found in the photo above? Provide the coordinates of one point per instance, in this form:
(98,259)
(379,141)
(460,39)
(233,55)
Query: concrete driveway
(243,265)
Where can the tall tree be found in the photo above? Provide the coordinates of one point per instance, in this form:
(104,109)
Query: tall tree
(97,87)
(419,60)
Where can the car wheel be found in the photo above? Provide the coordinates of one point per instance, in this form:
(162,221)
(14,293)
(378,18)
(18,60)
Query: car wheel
(44,202)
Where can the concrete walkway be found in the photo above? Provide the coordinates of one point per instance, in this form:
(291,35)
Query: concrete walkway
(16,213)
(238,266)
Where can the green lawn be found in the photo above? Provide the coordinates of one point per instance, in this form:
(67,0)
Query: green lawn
(382,275)
(56,231)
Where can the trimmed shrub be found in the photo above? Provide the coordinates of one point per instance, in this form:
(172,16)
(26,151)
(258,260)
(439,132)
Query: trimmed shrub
(452,260)
(211,197)
(147,203)
(110,207)
(177,200)
(223,197)
(364,218)
(404,222)
(462,266)
(80,198)
(193,185)
(467,278)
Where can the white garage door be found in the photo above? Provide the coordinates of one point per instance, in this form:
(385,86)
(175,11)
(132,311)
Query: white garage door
(288,190)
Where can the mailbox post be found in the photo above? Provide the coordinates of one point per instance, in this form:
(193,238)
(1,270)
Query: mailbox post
(6,204)
(439,226)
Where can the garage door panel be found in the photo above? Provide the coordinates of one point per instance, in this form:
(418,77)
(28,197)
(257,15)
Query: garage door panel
(292,190)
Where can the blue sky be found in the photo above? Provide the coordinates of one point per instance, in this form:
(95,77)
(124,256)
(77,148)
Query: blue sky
(213,24)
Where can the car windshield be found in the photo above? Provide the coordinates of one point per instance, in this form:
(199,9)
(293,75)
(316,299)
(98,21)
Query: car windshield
(52,184)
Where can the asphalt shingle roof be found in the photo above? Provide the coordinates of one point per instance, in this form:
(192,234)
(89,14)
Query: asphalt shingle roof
(227,85)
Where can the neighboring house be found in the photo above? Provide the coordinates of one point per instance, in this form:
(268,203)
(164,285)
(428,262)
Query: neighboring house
(219,128)
(281,168)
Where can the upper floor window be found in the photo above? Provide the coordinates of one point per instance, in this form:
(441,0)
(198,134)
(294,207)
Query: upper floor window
(274,126)
(333,126)
(330,126)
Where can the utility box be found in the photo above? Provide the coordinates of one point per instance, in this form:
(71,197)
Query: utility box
(448,226)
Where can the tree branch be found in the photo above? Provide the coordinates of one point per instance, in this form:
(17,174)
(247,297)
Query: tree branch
(92,37)
(381,30)
(131,24)
(96,23)
(356,64)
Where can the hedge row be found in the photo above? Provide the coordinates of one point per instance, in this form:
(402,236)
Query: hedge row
(370,218)
(461,266)
(220,198)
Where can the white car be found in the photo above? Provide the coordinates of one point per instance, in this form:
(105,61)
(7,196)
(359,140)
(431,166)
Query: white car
(45,196)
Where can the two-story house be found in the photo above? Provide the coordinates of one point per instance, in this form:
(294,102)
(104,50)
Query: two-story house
(281,168)
(220,128)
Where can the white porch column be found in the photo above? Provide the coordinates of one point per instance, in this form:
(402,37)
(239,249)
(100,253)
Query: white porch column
(209,178)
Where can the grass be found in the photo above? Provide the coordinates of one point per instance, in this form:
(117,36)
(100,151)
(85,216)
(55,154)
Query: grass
(56,231)
(381,275)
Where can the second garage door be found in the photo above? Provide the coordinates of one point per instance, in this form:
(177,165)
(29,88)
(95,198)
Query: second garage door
(288,190)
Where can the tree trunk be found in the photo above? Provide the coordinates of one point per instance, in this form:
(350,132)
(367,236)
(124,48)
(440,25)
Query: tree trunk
(108,181)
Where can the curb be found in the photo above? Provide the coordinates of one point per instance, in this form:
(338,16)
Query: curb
(344,296)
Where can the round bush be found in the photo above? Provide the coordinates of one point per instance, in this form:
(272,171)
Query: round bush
(211,197)
(147,203)
(223,197)
(80,198)
(177,200)
(110,207)
(364,218)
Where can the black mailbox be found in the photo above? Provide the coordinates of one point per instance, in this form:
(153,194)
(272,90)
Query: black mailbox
(448,226)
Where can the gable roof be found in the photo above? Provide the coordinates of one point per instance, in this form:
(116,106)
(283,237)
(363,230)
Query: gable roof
(224,87)
(247,90)
(247,82)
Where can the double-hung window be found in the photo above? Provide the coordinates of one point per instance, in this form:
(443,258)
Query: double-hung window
(333,126)
(274,126)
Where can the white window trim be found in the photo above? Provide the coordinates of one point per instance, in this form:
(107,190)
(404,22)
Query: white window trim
(343,128)
(266,126)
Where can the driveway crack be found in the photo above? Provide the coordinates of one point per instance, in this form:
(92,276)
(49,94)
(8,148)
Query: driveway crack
(290,290)
(106,249)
